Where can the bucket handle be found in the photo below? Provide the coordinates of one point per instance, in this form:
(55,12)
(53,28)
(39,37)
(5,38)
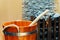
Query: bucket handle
(11,26)
(19,33)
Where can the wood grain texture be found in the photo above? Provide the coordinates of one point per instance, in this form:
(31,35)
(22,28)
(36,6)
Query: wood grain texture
(23,27)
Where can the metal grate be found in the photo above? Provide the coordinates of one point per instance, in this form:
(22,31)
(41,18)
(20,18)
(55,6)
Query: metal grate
(50,29)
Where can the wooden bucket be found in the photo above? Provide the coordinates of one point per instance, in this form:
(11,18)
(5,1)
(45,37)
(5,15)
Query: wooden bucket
(19,30)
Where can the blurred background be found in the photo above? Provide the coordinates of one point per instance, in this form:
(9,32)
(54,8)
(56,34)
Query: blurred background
(10,10)
(32,7)
(24,9)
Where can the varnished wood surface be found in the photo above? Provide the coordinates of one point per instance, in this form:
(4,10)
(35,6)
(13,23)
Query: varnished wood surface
(23,26)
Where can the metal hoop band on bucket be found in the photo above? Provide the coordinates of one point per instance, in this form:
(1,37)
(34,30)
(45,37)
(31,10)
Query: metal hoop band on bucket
(19,33)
